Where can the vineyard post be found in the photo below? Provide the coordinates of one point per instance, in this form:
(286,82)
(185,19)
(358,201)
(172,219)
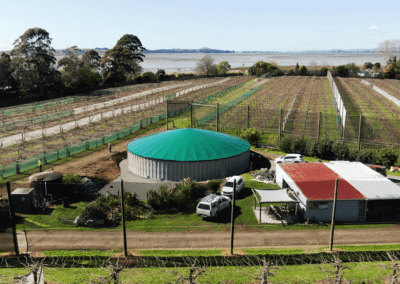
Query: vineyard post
(359,133)
(218,117)
(12,216)
(319,124)
(333,213)
(248,116)
(167,114)
(280,125)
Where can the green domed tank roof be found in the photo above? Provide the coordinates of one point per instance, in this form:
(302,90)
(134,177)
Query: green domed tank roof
(188,145)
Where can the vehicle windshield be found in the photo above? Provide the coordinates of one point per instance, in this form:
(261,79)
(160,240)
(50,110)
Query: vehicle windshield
(204,206)
(229,184)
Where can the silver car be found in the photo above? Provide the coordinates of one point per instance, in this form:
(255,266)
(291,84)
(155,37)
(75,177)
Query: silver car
(290,158)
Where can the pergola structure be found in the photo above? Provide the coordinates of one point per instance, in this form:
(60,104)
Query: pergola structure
(273,196)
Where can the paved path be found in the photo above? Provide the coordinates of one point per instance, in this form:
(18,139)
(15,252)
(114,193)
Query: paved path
(51,240)
(133,183)
(36,134)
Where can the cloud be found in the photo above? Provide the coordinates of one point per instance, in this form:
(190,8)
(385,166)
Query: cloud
(373,28)
(293,43)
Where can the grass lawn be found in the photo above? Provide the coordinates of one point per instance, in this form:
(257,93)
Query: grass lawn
(307,273)
(218,252)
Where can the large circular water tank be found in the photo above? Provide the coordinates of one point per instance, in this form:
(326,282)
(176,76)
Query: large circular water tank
(195,153)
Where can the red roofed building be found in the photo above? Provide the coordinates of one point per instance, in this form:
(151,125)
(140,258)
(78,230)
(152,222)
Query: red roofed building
(314,184)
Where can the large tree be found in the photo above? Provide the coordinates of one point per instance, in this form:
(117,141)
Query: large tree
(134,45)
(91,58)
(205,65)
(388,49)
(71,64)
(122,61)
(223,67)
(34,48)
(6,79)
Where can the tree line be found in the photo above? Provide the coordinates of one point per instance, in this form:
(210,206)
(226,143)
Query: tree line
(31,69)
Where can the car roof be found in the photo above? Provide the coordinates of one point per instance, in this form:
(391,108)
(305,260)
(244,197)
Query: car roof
(209,198)
(293,155)
(233,177)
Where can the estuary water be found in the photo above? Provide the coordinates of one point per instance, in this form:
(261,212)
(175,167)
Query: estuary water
(186,62)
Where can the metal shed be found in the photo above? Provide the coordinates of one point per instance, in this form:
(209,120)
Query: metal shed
(181,153)
(314,184)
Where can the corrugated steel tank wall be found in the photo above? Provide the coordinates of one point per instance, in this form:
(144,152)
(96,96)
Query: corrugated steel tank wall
(176,171)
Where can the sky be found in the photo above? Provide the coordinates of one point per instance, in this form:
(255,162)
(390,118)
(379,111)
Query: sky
(219,24)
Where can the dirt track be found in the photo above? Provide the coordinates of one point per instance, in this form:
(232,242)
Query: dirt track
(51,240)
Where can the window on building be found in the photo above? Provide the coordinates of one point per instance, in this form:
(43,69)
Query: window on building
(321,205)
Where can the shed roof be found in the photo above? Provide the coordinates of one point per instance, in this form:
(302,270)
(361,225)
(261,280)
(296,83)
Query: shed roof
(188,145)
(275,195)
(367,181)
(317,182)
(22,191)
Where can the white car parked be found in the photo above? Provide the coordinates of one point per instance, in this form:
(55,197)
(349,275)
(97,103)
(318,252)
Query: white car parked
(227,189)
(212,204)
(290,158)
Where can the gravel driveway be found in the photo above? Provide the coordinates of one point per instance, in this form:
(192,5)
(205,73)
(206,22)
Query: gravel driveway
(133,183)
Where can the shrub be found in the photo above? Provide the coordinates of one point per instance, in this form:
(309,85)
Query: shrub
(149,77)
(303,70)
(340,150)
(298,146)
(178,196)
(367,156)
(285,144)
(213,185)
(368,65)
(324,71)
(311,148)
(377,65)
(387,157)
(72,179)
(353,153)
(251,135)
(324,149)
(92,212)
(342,71)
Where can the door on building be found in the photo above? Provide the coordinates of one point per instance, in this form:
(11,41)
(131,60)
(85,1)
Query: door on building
(361,210)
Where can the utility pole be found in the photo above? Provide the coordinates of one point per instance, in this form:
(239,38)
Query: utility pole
(333,214)
(12,216)
(123,217)
(319,124)
(232,217)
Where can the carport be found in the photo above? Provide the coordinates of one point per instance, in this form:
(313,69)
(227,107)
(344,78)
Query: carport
(273,196)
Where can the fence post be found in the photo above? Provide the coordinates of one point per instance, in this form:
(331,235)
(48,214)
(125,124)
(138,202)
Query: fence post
(280,125)
(248,116)
(191,114)
(12,216)
(217,117)
(167,114)
(319,124)
(359,133)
